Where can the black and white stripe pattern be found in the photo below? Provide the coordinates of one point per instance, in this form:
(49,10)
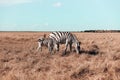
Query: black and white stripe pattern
(66,38)
(48,42)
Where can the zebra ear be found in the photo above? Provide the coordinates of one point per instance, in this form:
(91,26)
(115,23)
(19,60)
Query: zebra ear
(39,40)
(44,35)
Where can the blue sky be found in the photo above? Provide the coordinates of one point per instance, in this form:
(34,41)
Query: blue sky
(59,15)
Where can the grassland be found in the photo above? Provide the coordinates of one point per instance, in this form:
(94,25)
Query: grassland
(99,58)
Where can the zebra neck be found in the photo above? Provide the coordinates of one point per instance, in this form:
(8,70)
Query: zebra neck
(75,39)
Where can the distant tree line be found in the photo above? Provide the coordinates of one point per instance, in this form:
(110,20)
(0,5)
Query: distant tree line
(101,31)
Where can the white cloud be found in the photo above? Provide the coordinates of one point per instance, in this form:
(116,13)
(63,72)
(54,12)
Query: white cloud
(13,2)
(57,4)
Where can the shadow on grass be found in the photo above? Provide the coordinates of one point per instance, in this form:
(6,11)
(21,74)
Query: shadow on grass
(90,52)
(93,50)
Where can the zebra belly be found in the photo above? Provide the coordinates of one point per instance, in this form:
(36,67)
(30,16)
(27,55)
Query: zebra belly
(62,41)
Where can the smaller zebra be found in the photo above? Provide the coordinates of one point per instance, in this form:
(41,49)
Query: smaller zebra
(66,38)
(48,42)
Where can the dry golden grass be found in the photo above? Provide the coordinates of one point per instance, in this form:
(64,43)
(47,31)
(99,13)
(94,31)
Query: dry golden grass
(99,58)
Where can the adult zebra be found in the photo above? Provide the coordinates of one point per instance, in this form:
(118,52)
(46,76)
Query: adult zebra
(66,38)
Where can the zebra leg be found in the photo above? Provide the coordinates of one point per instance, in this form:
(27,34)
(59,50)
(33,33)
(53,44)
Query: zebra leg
(39,46)
(70,45)
(50,48)
(52,52)
(58,47)
(66,45)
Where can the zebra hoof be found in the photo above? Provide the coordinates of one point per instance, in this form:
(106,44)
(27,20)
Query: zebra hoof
(63,53)
(74,50)
(52,53)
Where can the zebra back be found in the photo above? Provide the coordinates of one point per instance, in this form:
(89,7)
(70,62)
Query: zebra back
(60,36)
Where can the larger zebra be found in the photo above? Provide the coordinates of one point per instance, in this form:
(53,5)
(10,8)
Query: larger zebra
(66,38)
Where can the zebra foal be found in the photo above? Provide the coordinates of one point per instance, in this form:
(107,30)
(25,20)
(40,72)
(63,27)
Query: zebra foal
(48,42)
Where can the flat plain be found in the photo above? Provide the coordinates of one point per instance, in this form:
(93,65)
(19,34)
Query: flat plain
(99,58)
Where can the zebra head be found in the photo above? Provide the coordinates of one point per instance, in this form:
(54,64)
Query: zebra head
(40,40)
(40,43)
(77,47)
